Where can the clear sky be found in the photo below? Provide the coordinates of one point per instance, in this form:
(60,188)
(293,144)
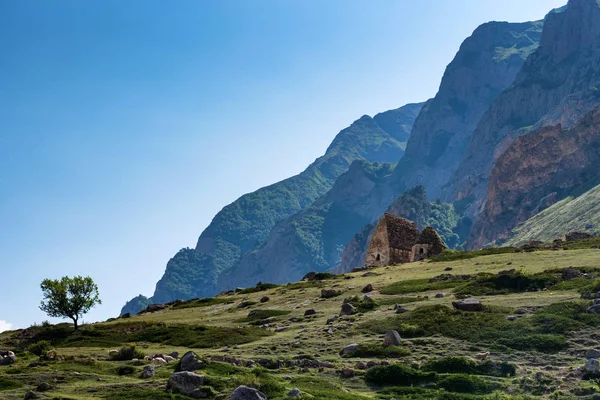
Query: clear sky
(125,126)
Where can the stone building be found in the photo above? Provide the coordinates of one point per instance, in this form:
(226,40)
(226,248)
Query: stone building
(397,240)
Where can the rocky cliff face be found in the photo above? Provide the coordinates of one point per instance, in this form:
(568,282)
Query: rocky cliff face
(486,64)
(245,224)
(550,161)
(557,84)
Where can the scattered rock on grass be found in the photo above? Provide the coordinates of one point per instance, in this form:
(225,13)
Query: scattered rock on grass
(592,353)
(148,372)
(190,362)
(347,309)
(367,289)
(247,393)
(592,366)
(264,299)
(187,383)
(294,393)
(351,348)
(470,304)
(329,293)
(310,311)
(392,338)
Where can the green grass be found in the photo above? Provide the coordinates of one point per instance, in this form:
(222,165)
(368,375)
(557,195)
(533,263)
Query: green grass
(205,302)
(543,332)
(113,335)
(455,255)
(386,301)
(141,394)
(262,314)
(260,287)
(376,350)
(418,285)
(7,384)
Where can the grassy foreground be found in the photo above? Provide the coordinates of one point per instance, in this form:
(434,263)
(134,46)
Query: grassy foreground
(269,344)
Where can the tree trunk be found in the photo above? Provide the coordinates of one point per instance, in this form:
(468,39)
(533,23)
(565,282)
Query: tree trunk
(75,323)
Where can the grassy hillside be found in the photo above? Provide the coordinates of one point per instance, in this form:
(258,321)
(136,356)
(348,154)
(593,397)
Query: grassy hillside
(273,346)
(581,214)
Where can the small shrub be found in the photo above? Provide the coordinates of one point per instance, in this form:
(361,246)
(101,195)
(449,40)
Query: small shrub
(463,365)
(39,348)
(508,283)
(127,353)
(262,314)
(260,287)
(419,285)
(397,374)
(454,255)
(125,370)
(7,384)
(463,383)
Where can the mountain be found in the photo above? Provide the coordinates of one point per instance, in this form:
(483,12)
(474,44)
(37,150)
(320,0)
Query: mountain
(575,213)
(538,169)
(245,224)
(485,65)
(557,84)
(414,206)
(313,239)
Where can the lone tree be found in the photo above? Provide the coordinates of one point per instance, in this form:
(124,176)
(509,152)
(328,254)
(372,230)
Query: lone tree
(69,297)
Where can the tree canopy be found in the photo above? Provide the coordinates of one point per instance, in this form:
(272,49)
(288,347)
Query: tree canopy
(69,297)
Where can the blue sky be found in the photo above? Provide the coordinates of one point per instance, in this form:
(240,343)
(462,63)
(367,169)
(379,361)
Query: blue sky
(125,126)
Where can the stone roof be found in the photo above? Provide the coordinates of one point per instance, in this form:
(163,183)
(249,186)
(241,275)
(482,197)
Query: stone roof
(402,233)
(430,236)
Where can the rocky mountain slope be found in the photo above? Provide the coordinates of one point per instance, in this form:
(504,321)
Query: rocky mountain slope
(575,213)
(389,332)
(485,65)
(537,169)
(245,224)
(557,84)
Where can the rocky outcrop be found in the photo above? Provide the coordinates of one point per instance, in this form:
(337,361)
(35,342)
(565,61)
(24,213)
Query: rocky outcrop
(243,225)
(485,65)
(548,160)
(557,84)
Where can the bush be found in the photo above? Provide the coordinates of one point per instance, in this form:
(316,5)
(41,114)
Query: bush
(125,370)
(39,348)
(127,353)
(508,283)
(419,285)
(397,374)
(453,255)
(463,365)
(463,383)
(260,287)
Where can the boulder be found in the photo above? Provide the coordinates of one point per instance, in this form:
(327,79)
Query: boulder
(595,309)
(511,318)
(592,366)
(572,236)
(294,393)
(399,309)
(187,383)
(439,295)
(310,311)
(43,387)
(189,362)
(247,393)
(470,304)
(586,295)
(391,338)
(329,293)
(367,289)
(32,395)
(347,309)
(148,372)
(571,273)
(175,355)
(264,299)
(311,276)
(592,353)
(351,348)
(368,299)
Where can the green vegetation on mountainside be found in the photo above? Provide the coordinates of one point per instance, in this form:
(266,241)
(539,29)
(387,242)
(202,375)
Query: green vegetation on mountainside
(574,213)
